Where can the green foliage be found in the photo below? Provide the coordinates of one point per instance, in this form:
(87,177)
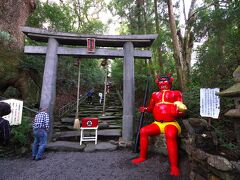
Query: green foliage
(226,138)
(57,17)
(207,71)
(230,146)
(33,62)
(92,74)
(9,62)
(120,7)
(191,98)
(137,16)
(93,27)
(217,56)
(21,134)
(66,18)
(141,72)
(117,72)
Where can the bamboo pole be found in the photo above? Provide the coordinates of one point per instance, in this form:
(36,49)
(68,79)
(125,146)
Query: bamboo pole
(76,121)
(104,93)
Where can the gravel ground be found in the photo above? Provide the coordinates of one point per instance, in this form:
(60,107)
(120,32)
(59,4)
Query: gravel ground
(115,165)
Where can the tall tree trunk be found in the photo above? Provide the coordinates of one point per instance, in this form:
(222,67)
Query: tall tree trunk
(13,15)
(138,14)
(144,17)
(176,47)
(186,43)
(159,52)
(220,27)
(150,67)
(182,45)
(139,7)
(156,16)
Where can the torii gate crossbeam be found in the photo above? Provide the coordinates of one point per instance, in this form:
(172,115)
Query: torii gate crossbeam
(82,52)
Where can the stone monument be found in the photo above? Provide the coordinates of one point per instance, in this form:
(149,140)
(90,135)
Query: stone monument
(234,93)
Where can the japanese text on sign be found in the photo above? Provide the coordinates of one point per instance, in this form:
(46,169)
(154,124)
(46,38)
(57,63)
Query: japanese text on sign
(209,103)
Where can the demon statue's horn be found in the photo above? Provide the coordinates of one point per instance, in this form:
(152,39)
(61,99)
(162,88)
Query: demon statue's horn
(157,79)
(170,77)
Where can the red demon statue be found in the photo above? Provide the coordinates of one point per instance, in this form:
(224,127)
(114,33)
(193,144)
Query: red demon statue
(166,106)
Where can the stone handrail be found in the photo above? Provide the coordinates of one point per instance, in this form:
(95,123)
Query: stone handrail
(119,96)
(68,107)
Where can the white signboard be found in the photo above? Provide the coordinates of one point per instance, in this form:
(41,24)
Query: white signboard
(209,103)
(15,117)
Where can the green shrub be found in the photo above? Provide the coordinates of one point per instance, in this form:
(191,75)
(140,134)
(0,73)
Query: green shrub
(21,136)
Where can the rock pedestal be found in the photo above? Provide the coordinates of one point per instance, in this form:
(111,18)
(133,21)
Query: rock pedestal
(158,144)
(205,163)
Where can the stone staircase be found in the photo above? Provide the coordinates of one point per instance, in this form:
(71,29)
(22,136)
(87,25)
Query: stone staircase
(65,138)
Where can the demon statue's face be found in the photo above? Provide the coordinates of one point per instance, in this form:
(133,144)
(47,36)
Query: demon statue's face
(164,82)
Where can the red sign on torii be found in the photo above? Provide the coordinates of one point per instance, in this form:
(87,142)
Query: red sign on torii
(91,45)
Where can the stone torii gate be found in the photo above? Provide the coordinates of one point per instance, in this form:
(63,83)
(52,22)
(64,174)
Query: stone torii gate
(122,46)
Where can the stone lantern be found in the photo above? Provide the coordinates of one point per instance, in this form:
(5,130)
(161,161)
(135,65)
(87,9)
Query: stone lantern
(234,92)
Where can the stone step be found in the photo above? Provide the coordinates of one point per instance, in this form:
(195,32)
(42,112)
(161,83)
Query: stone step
(64,146)
(76,133)
(100,146)
(110,132)
(64,134)
(91,108)
(114,126)
(89,111)
(64,127)
(109,125)
(114,106)
(86,146)
(100,109)
(67,120)
(88,115)
(113,110)
(114,123)
(109,117)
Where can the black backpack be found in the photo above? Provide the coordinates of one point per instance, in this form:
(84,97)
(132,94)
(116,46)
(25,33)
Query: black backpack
(5,109)
(4,131)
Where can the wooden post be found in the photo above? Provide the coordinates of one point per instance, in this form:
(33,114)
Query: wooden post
(209,121)
(129,92)
(48,93)
(105,89)
(76,124)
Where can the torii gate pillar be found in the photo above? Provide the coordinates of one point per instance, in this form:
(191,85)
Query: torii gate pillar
(48,93)
(129,91)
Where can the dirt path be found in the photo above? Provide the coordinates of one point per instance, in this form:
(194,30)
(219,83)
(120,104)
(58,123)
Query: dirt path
(115,165)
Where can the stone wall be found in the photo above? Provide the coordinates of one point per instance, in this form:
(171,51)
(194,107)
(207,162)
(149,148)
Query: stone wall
(205,165)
